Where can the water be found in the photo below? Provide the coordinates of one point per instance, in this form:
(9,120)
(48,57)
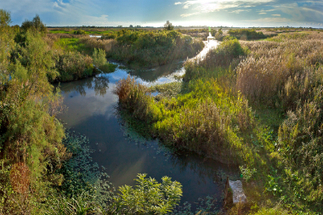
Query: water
(92,112)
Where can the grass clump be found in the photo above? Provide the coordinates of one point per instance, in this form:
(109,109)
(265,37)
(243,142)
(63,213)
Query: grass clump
(100,61)
(206,118)
(226,54)
(74,66)
(281,74)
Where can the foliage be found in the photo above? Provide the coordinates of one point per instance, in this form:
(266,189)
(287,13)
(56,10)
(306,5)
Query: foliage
(71,44)
(202,33)
(272,211)
(149,196)
(99,57)
(100,61)
(246,34)
(227,53)
(36,24)
(207,120)
(73,66)
(247,173)
(210,115)
(80,32)
(5,18)
(281,74)
(301,150)
(44,170)
(168,26)
(30,133)
(140,48)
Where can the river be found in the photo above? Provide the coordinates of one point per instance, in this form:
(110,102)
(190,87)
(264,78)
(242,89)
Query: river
(92,111)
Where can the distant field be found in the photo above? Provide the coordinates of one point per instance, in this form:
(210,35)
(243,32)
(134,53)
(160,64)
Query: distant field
(87,31)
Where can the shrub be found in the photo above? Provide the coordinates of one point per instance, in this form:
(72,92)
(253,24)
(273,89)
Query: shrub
(300,145)
(73,66)
(133,97)
(151,48)
(227,53)
(149,196)
(105,44)
(246,34)
(99,57)
(36,25)
(5,18)
(79,32)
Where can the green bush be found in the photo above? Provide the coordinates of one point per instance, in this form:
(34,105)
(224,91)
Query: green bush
(31,136)
(79,32)
(73,66)
(99,57)
(246,34)
(36,25)
(140,48)
(300,145)
(227,53)
(149,196)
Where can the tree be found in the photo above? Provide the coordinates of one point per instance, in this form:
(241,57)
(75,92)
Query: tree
(5,18)
(131,26)
(35,24)
(168,26)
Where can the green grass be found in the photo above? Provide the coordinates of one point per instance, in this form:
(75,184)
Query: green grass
(73,44)
(60,32)
(288,36)
(167,90)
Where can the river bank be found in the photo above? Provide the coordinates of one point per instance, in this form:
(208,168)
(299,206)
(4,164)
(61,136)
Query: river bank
(92,111)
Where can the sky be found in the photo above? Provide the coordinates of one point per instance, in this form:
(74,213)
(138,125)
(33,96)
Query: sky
(236,13)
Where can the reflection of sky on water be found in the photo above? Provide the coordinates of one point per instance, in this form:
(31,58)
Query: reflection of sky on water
(92,112)
(159,75)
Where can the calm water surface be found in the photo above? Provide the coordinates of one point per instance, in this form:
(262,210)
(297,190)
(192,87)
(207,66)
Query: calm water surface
(92,111)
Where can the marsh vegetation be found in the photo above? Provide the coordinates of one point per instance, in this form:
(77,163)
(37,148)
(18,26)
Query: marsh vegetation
(256,104)
(252,104)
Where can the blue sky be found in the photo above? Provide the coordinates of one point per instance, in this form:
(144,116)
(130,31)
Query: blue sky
(179,12)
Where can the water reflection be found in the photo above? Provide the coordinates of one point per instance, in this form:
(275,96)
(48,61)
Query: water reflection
(155,74)
(159,75)
(99,84)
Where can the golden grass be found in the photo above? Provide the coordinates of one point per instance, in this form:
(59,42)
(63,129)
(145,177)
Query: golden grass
(273,69)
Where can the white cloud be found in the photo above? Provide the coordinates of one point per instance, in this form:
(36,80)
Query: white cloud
(206,6)
(239,11)
(276,14)
(262,12)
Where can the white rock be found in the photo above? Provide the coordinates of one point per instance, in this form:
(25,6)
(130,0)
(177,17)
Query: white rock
(238,194)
